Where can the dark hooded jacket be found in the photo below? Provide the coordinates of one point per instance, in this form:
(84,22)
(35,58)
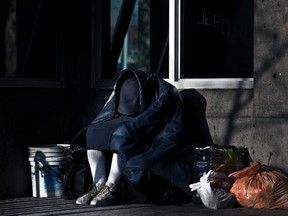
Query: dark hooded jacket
(153,140)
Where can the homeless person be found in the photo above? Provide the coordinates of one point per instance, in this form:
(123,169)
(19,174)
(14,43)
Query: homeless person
(141,125)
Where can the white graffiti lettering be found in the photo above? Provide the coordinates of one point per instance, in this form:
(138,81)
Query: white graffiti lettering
(215,21)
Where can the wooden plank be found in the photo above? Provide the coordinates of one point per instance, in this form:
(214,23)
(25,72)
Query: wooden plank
(31,206)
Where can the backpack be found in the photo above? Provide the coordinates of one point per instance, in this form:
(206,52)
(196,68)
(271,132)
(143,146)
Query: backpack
(77,177)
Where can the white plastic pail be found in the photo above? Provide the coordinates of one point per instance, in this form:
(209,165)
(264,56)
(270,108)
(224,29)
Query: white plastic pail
(48,163)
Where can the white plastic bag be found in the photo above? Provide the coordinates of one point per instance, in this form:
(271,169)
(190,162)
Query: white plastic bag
(213,190)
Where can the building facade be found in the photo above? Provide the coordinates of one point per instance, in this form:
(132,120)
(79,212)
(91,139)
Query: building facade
(61,67)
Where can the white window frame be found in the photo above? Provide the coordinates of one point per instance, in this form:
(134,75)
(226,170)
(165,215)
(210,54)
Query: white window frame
(174,60)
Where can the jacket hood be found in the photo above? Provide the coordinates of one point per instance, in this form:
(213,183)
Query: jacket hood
(145,82)
(128,98)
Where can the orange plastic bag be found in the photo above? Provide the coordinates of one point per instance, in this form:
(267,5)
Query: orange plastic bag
(260,186)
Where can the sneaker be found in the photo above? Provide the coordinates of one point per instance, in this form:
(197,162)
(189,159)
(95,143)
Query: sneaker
(107,196)
(86,198)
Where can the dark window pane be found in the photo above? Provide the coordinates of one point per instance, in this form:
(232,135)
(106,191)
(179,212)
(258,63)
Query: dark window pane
(28,38)
(217,39)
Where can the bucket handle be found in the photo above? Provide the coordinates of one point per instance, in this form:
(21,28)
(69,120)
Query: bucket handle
(43,168)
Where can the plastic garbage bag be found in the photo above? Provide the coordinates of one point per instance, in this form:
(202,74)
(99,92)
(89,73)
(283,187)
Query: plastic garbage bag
(260,186)
(224,159)
(213,190)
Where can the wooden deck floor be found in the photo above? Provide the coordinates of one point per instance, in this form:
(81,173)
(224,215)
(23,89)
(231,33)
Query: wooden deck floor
(57,206)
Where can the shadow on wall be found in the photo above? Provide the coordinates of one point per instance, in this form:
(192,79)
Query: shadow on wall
(269,63)
(13,165)
(196,126)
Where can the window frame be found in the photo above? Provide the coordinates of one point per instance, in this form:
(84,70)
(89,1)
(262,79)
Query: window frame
(175,56)
(31,83)
(57,82)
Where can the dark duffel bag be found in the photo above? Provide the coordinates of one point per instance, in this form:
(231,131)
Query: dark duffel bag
(77,177)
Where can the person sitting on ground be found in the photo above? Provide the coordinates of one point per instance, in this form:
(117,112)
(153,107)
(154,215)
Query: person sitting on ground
(103,191)
(141,124)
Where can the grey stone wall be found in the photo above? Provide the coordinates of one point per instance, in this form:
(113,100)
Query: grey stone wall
(257,118)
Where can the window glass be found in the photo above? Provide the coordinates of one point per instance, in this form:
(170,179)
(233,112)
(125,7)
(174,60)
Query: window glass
(143,47)
(115,11)
(216,39)
(136,46)
(28,39)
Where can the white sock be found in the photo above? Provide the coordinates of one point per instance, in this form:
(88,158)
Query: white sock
(97,162)
(115,171)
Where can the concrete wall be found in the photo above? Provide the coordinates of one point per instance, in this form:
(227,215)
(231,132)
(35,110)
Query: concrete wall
(257,118)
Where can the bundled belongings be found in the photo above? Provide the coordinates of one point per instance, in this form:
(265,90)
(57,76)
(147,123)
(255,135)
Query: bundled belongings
(211,162)
(213,190)
(260,186)
(77,177)
(224,159)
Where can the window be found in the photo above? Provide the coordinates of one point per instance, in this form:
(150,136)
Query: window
(136,50)
(211,43)
(28,44)
(138,37)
